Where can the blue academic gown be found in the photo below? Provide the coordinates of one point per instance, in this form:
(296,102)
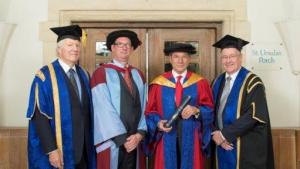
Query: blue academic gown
(106,91)
(50,95)
(246,124)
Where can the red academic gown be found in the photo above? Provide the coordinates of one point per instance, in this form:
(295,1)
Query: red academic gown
(192,135)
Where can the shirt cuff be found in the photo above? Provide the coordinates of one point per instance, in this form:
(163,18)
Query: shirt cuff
(142,132)
(51,151)
(120,139)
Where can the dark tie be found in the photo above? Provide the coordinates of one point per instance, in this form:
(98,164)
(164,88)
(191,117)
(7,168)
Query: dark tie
(73,81)
(127,79)
(223,100)
(178,91)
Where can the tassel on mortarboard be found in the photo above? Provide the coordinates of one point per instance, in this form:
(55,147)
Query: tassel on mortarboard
(83,38)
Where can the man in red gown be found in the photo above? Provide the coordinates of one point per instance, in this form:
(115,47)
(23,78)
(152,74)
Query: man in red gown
(183,145)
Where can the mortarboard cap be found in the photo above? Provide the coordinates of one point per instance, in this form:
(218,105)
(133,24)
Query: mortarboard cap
(229,41)
(72,32)
(111,38)
(180,47)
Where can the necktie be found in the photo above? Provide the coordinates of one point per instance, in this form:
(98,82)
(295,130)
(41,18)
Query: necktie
(178,91)
(73,81)
(223,100)
(127,79)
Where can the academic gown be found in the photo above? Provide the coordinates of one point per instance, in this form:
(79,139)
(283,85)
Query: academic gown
(246,124)
(194,133)
(117,115)
(50,96)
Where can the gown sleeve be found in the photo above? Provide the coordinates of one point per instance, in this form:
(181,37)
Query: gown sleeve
(107,122)
(254,112)
(205,102)
(44,132)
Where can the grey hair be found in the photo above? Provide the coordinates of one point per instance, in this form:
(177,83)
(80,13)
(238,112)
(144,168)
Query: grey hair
(59,45)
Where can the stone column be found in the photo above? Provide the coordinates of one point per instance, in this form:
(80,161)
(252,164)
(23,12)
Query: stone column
(6,30)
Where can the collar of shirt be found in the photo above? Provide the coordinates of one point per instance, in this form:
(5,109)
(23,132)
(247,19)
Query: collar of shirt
(233,77)
(175,75)
(119,64)
(66,67)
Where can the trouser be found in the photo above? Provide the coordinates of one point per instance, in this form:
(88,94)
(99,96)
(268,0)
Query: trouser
(83,161)
(126,160)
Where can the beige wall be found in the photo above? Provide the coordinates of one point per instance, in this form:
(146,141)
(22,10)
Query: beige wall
(232,13)
(282,86)
(239,17)
(22,58)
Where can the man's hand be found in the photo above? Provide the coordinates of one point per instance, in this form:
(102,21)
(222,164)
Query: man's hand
(227,146)
(161,127)
(220,140)
(56,159)
(189,111)
(217,137)
(132,142)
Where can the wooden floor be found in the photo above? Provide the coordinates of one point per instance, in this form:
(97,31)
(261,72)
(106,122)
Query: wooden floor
(13,148)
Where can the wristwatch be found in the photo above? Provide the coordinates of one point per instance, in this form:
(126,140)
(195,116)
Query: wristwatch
(197,114)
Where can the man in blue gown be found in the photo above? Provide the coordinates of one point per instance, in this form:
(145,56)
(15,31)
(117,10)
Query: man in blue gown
(118,91)
(60,112)
(243,131)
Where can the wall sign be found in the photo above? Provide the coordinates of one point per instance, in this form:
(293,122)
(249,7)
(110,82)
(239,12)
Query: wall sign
(266,56)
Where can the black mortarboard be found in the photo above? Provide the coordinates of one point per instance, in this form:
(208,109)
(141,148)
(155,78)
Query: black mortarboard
(111,38)
(72,32)
(229,41)
(180,47)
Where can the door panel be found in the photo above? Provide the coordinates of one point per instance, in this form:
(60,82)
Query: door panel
(203,60)
(95,52)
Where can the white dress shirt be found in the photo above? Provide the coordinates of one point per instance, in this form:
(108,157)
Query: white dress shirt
(183,75)
(233,77)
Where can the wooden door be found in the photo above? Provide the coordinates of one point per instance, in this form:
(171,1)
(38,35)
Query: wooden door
(149,57)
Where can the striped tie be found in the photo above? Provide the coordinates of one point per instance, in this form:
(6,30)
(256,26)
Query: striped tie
(73,81)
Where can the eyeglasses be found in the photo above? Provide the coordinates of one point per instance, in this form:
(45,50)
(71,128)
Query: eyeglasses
(121,45)
(229,57)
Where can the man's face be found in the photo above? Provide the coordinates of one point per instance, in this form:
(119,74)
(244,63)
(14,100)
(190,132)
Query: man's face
(121,49)
(180,61)
(231,60)
(69,51)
